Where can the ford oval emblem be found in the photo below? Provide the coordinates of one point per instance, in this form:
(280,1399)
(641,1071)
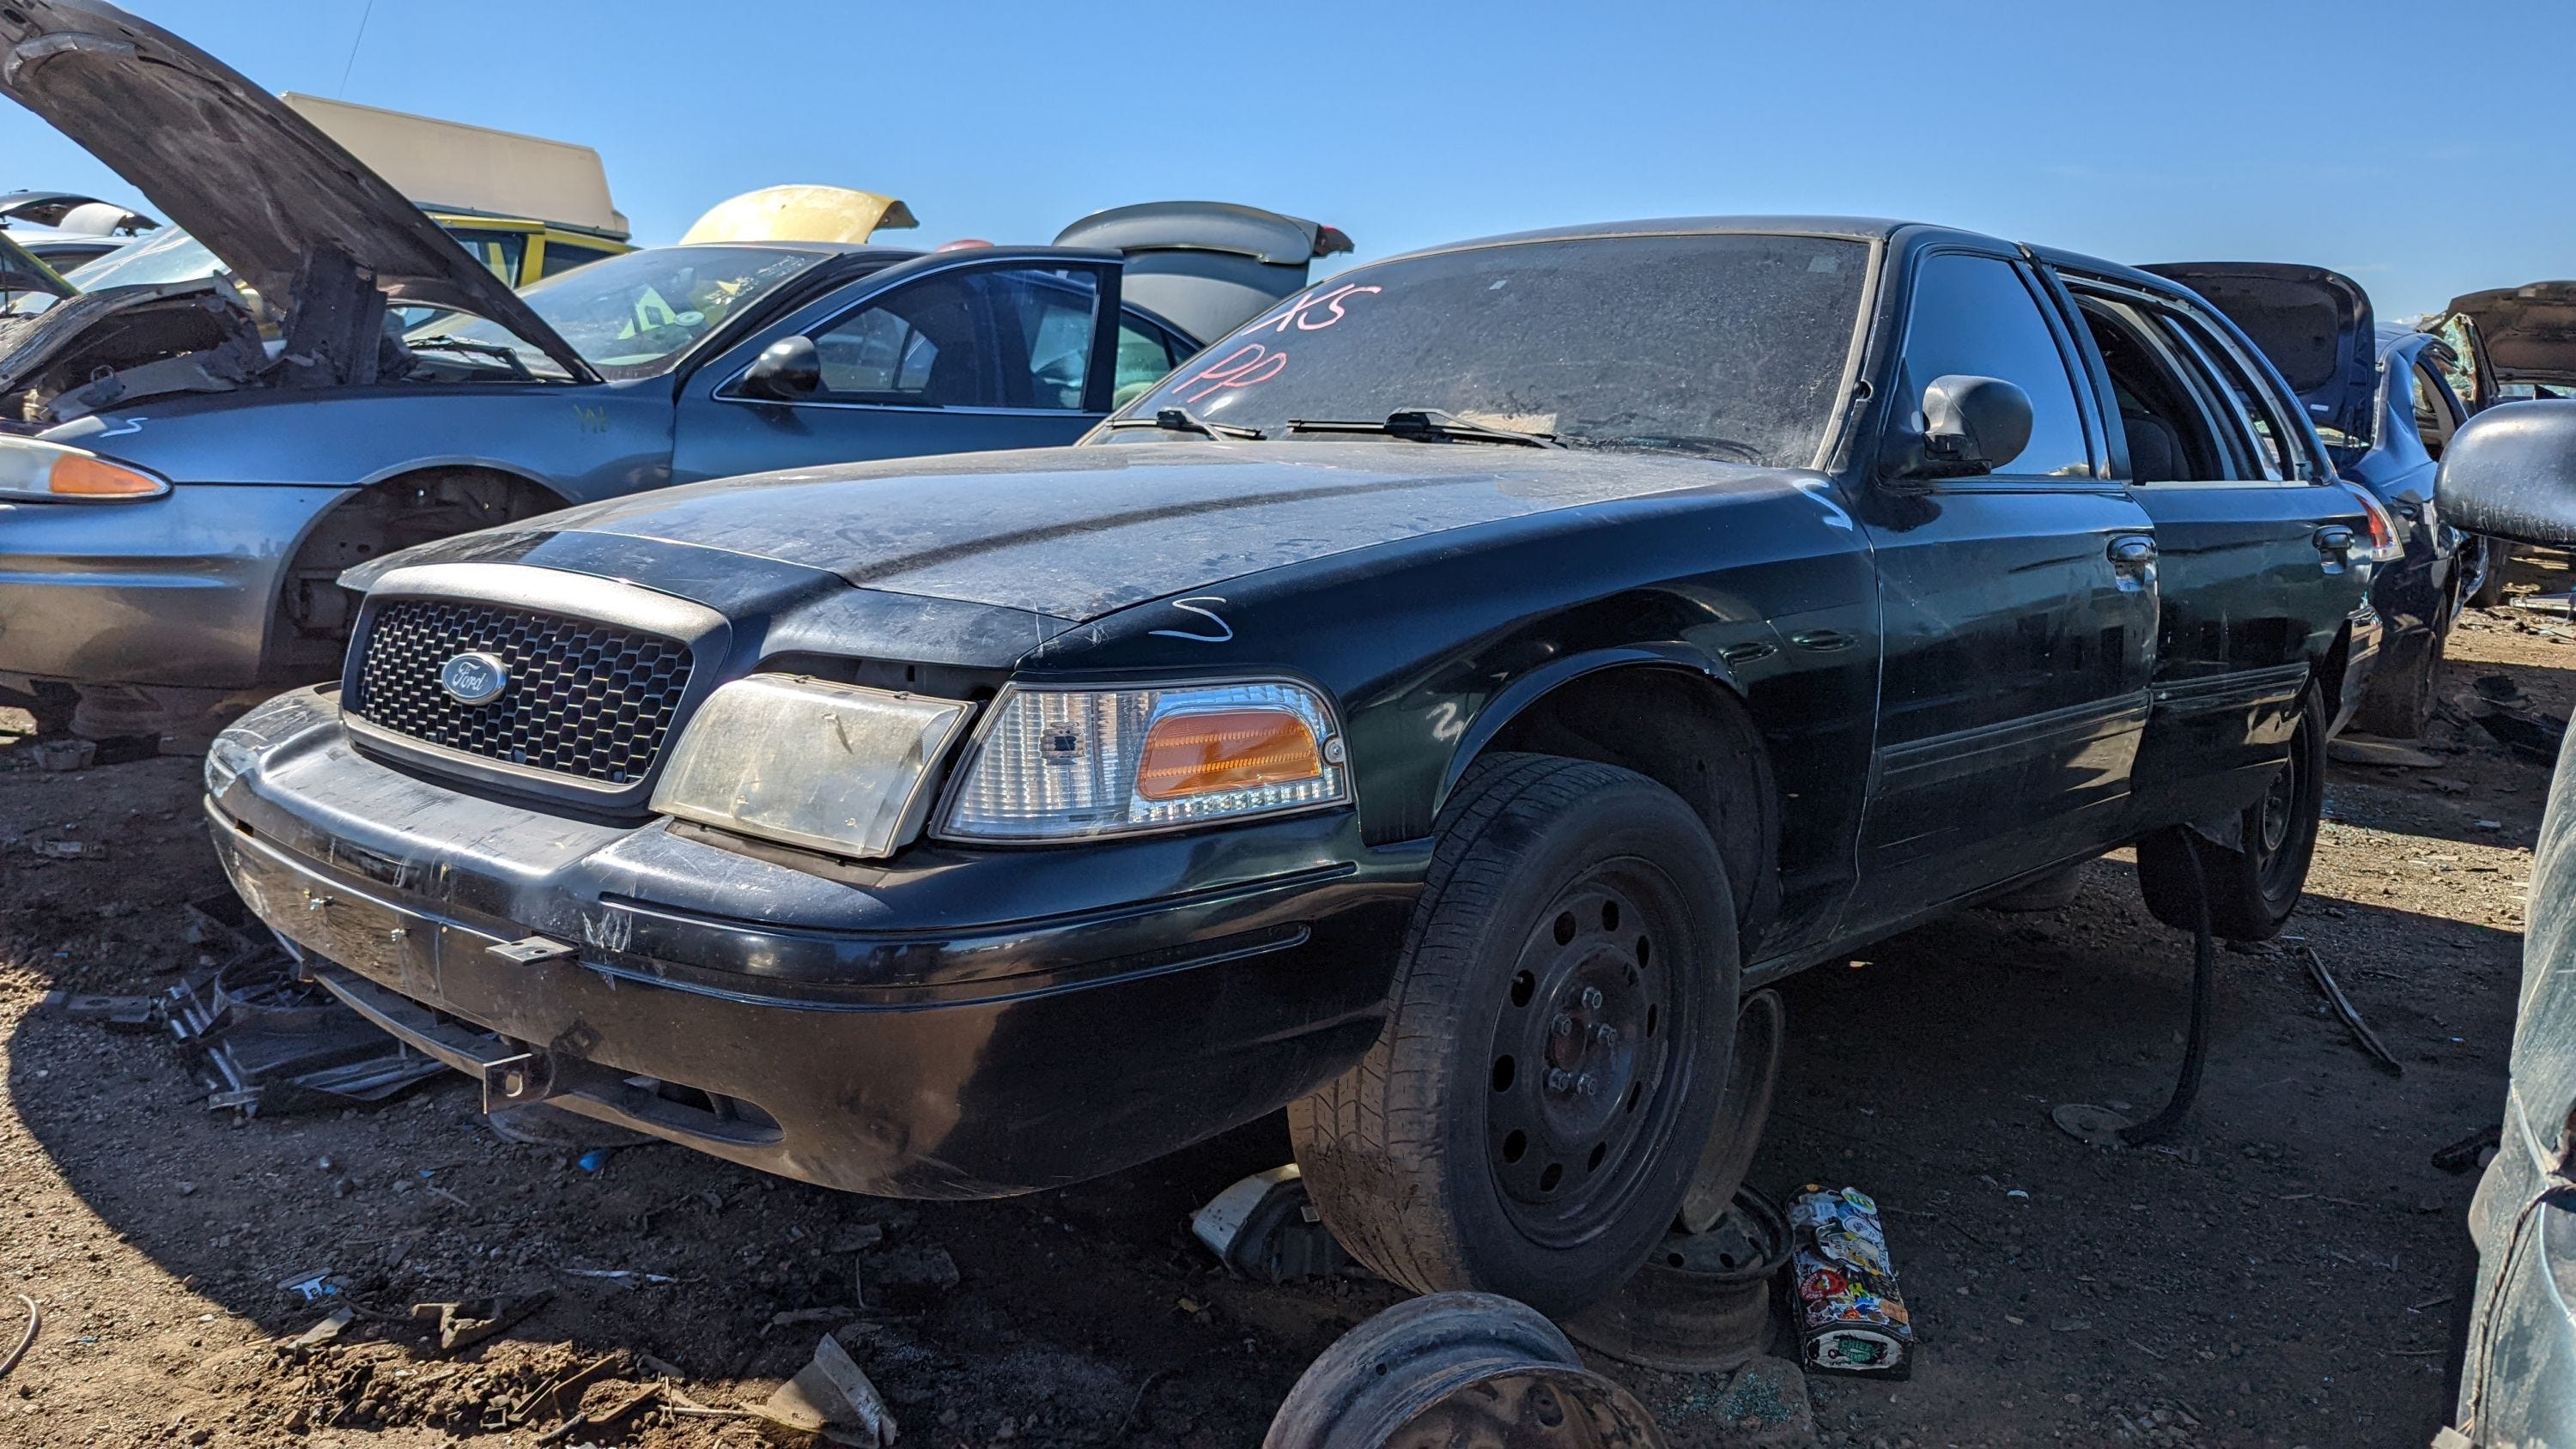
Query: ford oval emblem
(474,678)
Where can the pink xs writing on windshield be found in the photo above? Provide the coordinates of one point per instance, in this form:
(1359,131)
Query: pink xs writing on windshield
(1257,362)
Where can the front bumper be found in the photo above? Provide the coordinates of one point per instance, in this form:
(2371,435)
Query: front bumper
(955,1024)
(174,591)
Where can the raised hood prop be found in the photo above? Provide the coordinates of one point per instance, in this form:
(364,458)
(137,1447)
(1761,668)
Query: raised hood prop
(283,205)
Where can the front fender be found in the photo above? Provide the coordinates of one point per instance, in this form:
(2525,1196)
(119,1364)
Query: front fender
(1538,683)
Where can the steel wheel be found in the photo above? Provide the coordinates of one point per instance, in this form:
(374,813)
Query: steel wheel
(1580,1051)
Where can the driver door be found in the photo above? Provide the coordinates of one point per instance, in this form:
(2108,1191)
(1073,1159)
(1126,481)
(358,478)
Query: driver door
(956,358)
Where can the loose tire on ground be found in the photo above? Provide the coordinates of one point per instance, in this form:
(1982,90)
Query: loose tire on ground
(2489,588)
(1555,1047)
(2252,890)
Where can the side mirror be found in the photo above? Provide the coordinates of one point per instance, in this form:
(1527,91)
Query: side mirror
(2511,473)
(786,370)
(1971,425)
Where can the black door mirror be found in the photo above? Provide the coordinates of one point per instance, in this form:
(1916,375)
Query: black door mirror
(1971,425)
(786,370)
(2511,473)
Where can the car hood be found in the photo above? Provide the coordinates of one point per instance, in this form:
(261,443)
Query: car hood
(1071,534)
(232,164)
(2528,333)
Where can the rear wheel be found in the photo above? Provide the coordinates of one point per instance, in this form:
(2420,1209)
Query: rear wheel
(2253,887)
(1556,1043)
(2482,585)
(2398,707)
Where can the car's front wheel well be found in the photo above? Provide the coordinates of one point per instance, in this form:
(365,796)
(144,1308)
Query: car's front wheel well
(1686,732)
(310,625)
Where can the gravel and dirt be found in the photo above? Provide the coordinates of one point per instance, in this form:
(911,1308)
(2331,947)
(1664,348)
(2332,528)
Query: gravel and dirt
(2284,1271)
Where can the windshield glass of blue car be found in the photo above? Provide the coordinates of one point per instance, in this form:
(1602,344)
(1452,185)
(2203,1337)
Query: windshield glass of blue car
(1731,347)
(634,315)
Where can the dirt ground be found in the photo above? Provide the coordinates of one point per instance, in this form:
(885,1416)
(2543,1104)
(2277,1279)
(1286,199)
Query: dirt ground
(2282,1272)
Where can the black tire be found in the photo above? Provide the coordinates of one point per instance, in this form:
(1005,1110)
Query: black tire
(2398,708)
(1492,1139)
(2252,890)
(2488,590)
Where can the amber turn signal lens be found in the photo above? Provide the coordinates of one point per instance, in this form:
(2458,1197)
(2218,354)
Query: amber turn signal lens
(82,476)
(1233,749)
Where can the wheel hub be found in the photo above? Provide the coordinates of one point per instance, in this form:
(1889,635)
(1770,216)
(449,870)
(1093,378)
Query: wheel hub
(1580,1050)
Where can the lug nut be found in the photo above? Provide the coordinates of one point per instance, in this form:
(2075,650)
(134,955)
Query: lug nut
(1592,998)
(1584,1086)
(1559,1079)
(1562,1026)
(1606,1034)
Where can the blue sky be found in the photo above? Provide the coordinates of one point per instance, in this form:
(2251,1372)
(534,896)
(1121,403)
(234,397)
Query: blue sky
(2423,148)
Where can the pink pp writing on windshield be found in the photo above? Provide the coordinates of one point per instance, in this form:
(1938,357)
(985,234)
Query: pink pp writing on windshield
(1244,366)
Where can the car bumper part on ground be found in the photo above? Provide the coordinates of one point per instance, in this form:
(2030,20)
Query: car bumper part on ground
(2361,661)
(174,591)
(957,1024)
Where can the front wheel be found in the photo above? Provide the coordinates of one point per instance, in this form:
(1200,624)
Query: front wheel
(1555,1045)
(2254,887)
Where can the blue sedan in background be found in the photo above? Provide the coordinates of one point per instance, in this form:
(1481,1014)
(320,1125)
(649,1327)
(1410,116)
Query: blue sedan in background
(186,468)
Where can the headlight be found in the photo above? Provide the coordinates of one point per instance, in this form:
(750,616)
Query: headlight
(1063,763)
(832,767)
(40,472)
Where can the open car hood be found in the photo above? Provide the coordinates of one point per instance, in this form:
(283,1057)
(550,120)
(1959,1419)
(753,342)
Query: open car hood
(2527,333)
(2314,325)
(255,182)
(1206,267)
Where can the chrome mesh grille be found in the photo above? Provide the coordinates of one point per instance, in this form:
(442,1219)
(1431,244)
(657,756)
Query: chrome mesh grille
(588,700)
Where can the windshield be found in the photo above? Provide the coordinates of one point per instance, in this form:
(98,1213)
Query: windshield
(1729,346)
(634,315)
(170,255)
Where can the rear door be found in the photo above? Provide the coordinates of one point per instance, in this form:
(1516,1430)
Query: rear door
(1015,352)
(2260,561)
(2018,609)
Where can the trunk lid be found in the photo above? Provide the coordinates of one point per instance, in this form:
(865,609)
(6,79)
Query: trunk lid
(2315,326)
(237,168)
(1206,267)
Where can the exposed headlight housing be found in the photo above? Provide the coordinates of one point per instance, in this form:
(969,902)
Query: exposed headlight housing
(831,767)
(1057,764)
(34,471)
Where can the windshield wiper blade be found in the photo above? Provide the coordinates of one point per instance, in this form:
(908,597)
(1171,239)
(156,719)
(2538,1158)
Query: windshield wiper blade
(441,342)
(1427,425)
(1182,420)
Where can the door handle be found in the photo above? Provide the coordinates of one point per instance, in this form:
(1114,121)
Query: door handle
(2335,538)
(2132,551)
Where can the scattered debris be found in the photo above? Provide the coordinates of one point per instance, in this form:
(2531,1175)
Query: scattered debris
(857,1239)
(311,1285)
(1264,1227)
(632,1275)
(2462,1156)
(324,1331)
(2532,736)
(65,754)
(793,1316)
(831,1392)
(68,849)
(2384,754)
(593,1160)
(908,1276)
(2497,688)
(464,1324)
(2351,1015)
(1850,1317)
(27,1340)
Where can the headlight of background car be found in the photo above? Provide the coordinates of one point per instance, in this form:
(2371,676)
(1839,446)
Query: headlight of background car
(1064,763)
(39,472)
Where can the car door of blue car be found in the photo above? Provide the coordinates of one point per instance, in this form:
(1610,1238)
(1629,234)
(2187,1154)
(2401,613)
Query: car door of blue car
(943,355)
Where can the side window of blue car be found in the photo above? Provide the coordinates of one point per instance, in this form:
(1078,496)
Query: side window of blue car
(996,337)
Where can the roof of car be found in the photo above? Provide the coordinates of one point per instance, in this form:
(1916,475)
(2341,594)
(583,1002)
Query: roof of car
(1859,228)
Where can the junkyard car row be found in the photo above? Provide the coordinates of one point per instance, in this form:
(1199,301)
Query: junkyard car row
(1430,707)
